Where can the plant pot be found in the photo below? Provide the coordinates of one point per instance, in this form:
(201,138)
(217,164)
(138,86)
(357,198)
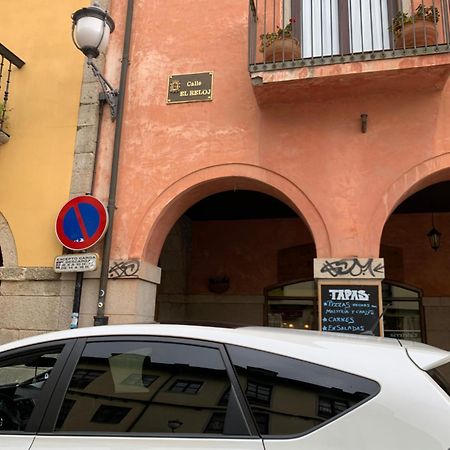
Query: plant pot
(424,31)
(4,137)
(285,49)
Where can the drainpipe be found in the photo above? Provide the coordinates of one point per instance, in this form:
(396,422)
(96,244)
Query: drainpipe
(100,318)
(80,275)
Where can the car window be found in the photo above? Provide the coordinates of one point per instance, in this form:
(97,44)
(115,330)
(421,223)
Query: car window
(442,377)
(22,379)
(148,387)
(290,397)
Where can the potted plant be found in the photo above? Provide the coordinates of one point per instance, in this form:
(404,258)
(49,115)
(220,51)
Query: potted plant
(280,45)
(4,136)
(415,30)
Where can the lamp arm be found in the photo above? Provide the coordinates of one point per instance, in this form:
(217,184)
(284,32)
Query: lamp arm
(111,94)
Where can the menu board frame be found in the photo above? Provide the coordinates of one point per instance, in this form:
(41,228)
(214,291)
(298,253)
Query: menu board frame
(348,284)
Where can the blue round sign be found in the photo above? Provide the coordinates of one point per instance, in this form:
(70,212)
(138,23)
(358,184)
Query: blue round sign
(81,223)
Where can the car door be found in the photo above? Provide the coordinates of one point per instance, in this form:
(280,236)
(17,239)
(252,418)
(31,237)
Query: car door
(143,393)
(27,377)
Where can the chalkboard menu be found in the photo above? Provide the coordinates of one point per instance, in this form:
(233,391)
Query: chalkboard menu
(349,308)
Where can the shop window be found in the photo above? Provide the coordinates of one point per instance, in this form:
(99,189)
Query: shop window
(297,388)
(135,387)
(402,315)
(294,305)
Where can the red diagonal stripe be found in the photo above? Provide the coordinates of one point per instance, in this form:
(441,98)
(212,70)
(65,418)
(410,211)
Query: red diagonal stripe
(81,222)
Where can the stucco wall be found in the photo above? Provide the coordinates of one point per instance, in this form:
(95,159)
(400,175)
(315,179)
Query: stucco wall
(36,164)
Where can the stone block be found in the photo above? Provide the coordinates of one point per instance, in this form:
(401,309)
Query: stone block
(81,183)
(7,335)
(29,333)
(88,115)
(118,319)
(90,92)
(89,297)
(28,273)
(86,139)
(31,288)
(84,162)
(29,313)
(65,312)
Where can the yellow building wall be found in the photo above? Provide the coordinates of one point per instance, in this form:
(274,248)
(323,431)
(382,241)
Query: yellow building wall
(36,164)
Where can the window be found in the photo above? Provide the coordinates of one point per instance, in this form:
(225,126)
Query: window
(442,377)
(258,393)
(148,387)
(289,397)
(329,407)
(186,386)
(22,380)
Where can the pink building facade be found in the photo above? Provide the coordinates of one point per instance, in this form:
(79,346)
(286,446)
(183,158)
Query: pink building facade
(228,209)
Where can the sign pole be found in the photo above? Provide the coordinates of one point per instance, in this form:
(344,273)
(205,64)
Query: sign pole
(77,300)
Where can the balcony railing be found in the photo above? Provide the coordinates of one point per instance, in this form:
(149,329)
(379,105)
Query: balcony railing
(299,33)
(7,60)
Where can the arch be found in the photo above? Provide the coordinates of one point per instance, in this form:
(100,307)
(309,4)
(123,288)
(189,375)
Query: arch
(7,244)
(431,171)
(161,213)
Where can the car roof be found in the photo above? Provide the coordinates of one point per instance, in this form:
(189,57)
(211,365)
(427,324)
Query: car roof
(342,351)
(215,334)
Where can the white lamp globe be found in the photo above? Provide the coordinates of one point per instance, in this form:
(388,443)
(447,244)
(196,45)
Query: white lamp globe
(91,28)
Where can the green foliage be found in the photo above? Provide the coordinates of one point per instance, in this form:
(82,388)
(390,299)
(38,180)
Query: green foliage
(422,12)
(268,39)
(3,117)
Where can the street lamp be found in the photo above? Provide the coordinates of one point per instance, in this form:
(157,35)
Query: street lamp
(434,236)
(91,28)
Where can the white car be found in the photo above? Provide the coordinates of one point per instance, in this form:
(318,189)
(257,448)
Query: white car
(172,387)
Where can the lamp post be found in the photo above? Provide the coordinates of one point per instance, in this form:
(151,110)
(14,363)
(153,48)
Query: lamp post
(91,29)
(434,235)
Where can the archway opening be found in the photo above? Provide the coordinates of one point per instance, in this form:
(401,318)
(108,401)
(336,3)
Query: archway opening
(222,253)
(411,260)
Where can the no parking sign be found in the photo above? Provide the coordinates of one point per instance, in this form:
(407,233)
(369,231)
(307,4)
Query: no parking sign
(81,223)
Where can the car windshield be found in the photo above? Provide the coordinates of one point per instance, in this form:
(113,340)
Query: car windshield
(442,377)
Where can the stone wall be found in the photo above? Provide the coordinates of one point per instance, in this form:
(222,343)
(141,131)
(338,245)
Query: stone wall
(33,301)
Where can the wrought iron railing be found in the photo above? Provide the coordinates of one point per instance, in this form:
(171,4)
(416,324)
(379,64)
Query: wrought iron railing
(7,60)
(297,33)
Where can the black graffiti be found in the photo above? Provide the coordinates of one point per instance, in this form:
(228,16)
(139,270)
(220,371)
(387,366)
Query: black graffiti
(352,267)
(124,269)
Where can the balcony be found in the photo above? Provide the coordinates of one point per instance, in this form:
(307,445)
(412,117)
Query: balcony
(319,42)
(7,60)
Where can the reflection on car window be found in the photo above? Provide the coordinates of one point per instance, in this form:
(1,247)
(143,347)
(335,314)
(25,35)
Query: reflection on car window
(442,377)
(21,383)
(289,397)
(147,387)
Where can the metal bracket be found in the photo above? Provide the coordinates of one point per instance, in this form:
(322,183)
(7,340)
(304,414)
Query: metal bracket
(111,94)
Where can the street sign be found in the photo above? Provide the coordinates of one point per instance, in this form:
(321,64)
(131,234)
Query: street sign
(81,223)
(82,262)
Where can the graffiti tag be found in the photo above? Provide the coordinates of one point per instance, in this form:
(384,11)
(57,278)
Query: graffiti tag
(123,269)
(353,267)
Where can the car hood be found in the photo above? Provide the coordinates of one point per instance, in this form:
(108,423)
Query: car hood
(425,356)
